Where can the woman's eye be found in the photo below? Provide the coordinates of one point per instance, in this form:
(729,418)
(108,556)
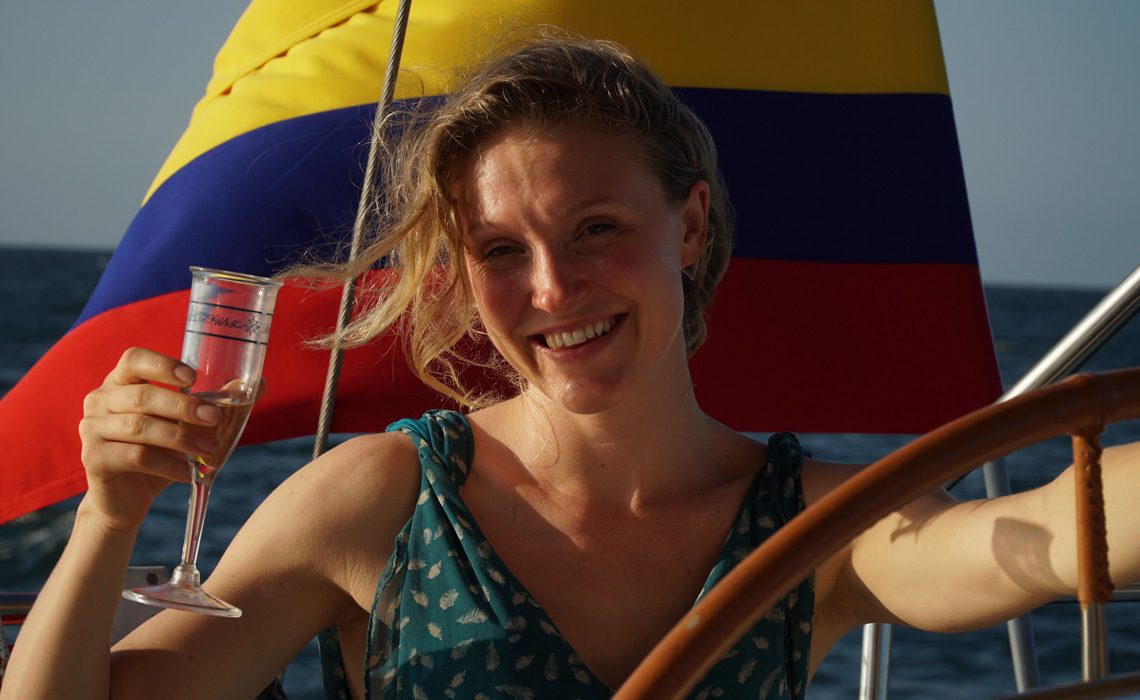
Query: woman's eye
(500,251)
(598,234)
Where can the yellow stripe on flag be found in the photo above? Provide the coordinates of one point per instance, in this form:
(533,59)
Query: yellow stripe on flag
(286,59)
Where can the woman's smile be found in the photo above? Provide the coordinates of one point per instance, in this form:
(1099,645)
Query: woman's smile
(577,336)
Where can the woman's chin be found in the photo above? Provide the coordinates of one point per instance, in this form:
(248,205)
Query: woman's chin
(585,397)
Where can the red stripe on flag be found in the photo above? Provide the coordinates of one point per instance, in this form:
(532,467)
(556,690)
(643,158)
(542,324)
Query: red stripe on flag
(833,347)
(39,416)
(896,349)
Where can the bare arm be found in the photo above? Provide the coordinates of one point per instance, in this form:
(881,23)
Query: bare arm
(945,566)
(132,444)
(307,559)
(61,651)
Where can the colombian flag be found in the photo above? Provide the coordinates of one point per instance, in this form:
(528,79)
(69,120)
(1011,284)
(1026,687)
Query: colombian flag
(853,303)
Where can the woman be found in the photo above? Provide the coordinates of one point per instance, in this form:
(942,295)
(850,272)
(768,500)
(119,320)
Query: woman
(541,545)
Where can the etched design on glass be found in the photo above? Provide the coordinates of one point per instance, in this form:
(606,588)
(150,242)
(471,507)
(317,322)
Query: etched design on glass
(247,325)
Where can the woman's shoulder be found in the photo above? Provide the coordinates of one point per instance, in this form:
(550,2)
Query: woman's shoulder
(339,514)
(821,478)
(363,486)
(366,471)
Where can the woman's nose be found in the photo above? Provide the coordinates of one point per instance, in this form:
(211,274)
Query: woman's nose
(559,282)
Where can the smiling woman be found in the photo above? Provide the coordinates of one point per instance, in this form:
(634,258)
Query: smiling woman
(539,546)
(839,146)
(619,109)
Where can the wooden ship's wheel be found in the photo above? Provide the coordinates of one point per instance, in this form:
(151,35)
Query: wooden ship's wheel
(1081,406)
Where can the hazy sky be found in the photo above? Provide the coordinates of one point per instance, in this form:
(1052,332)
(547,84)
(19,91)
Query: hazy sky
(1046,96)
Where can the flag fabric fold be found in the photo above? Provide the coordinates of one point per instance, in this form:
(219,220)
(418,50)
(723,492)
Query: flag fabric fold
(853,302)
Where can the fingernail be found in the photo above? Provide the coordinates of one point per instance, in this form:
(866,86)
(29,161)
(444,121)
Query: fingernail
(207,413)
(184,374)
(205,444)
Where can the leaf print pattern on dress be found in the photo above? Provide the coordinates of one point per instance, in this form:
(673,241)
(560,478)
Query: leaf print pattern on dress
(460,650)
(479,632)
(473,617)
(516,692)
(448,599)
(746,671)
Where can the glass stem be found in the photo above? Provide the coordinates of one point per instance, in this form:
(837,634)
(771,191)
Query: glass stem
(195,517)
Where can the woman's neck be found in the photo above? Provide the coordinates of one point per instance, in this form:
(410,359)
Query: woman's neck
(631,455)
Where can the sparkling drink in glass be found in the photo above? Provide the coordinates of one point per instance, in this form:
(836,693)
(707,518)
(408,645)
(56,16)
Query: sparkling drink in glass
(227,329)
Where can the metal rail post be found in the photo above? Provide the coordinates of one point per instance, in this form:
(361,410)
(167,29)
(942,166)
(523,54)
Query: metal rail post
(875,661)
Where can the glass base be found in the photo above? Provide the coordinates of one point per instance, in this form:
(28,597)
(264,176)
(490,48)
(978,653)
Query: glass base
(182,592)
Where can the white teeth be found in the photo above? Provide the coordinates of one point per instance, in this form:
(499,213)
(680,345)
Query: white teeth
(578,336)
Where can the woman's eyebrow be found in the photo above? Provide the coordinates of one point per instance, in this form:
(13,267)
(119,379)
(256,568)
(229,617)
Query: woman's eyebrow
(476,225)
(577,207)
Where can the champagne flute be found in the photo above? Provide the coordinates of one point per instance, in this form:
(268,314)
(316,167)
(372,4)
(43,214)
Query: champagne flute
(227,328)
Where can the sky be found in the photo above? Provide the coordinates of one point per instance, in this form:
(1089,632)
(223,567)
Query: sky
(1046,98)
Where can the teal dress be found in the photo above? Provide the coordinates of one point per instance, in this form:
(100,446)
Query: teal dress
(450,621)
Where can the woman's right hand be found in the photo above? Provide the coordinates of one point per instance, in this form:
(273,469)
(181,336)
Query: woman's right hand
(136,435)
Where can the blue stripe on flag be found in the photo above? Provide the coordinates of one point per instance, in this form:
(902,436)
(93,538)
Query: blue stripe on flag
(813,177)
(841,178)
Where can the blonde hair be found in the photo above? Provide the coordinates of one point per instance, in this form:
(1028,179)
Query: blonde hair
(550,81)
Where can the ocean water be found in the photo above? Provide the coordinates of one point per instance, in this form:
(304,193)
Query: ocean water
(50,288)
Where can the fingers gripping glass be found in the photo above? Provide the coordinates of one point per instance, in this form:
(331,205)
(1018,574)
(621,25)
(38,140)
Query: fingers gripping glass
(227,328)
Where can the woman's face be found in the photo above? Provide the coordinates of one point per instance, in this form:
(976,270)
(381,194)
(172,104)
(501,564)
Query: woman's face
(575,257)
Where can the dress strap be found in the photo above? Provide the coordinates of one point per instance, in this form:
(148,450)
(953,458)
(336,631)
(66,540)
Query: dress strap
(785,470)
(445,444)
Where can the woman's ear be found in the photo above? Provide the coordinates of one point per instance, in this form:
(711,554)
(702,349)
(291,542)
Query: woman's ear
(695,217)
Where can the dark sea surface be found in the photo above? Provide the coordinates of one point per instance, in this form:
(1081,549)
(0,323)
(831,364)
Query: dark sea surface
(48,288)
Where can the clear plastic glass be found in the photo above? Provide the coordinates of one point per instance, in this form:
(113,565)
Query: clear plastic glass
(227,331)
